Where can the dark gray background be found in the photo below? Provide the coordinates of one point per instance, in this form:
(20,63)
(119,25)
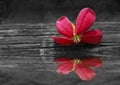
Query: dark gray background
(27,52)
(35,11)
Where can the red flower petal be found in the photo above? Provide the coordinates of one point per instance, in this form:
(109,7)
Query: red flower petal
(92,37)
(85,19)
(65,68)
(62,40)
(84,72)
(63,60)
(64,26)
(92,62)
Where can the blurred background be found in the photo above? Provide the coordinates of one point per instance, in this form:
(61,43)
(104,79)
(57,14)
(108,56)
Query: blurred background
(47,11)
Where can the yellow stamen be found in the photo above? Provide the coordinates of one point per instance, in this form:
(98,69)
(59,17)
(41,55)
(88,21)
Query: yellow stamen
(75,61)
(75,38)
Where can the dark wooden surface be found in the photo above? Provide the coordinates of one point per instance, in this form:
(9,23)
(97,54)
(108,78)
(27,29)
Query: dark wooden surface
(27,53)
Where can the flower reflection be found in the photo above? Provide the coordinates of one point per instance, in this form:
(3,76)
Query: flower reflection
(80,66)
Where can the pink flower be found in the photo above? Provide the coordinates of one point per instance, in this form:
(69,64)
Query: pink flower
(81,67)
(78,32)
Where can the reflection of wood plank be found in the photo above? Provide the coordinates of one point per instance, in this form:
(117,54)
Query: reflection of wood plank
(27,53)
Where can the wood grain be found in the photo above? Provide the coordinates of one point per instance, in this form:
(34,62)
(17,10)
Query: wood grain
(27,53)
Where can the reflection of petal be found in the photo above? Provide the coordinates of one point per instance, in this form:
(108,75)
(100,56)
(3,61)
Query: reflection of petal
(92,37)
(64,26)
(63,40)
(92,62)
(65,68)
(84,72)
(63,60)
(85,19)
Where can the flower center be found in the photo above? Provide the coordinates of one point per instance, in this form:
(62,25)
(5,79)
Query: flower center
(75,38)
(75,61)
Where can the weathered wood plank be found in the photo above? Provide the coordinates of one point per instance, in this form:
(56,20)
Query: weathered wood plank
(27,53)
